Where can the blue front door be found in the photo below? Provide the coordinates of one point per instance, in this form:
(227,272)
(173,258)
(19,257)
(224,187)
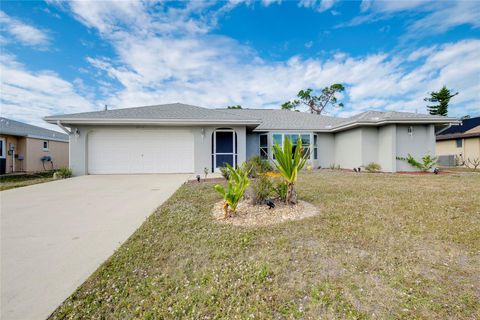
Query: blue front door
(224,148)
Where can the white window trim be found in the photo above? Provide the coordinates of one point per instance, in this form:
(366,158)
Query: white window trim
(260,146)
(4,148)
(234,154)
(283,133)
(43,145)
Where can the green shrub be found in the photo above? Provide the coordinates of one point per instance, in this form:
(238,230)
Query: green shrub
(428,162)
(225,172)
(289,161)
(262,188)
(280,188)
(63,173)
(237,183)
(257,166)
(373,167)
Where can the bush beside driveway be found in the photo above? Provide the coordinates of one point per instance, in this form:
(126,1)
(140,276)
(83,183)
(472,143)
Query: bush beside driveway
(383,246)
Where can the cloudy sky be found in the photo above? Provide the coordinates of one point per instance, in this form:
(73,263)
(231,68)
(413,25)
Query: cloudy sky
(64,57)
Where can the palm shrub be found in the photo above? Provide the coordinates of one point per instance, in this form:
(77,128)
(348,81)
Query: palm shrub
(225,172)
(237,184)
(428,162)
(288,163)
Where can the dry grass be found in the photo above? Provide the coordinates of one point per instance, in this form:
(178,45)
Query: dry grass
(23,180)
(384,246)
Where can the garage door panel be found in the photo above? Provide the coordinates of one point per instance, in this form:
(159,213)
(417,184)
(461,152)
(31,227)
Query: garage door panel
(140,151)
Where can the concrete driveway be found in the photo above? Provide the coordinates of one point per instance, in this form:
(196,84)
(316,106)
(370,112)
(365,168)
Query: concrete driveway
(54,235)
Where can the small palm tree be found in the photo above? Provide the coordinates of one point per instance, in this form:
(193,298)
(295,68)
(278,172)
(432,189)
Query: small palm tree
(289,162)
(237,184)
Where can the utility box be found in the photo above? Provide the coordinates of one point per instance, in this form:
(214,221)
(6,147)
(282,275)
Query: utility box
(447,160)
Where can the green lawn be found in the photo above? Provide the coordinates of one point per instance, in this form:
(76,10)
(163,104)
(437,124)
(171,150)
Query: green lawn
(384,246)
(22,180)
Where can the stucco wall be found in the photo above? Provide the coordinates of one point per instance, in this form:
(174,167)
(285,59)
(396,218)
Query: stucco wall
(19,143)
(387,147)
(369,145)
(448,147)
(202,145)
(326,150)
(348,148)
(470,148)
(419,143)
(253,144)
(34,152)
(360,146)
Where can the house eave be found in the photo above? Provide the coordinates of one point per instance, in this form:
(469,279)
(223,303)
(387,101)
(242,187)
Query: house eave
(356,124)
(32,136)
(396,121)
(165,122)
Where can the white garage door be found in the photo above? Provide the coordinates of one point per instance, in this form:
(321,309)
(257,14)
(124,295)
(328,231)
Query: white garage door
(140,151)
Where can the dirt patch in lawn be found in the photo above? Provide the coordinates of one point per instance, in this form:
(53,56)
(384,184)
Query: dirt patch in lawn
(248,214)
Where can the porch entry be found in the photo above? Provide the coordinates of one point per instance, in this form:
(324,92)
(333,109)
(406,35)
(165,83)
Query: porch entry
(224,148)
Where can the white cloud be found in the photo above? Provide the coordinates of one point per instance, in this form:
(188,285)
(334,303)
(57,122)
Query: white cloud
(22,32)
(319,5)
(437,16)
(214,71)
(456,14)
(30,96)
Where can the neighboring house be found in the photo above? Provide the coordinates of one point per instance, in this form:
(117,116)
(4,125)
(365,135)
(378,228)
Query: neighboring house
(456,144)
(23,146)
(175,138)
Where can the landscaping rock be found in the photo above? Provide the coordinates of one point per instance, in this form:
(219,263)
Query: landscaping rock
(259,215)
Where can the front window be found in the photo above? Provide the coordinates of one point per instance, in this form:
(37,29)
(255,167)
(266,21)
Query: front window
(45,145)
(2,148)
(264,146)
(294,137)
(459,143)
(315,147)
(410,130)
(278,138)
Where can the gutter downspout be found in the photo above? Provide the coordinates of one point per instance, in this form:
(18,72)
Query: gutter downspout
(444,129)
(69,132)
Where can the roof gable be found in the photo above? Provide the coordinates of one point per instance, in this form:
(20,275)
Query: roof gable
(16,128)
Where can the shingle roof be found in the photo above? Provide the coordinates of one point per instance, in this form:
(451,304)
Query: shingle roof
(276,119)
(264,119)
(377,117)
(173,111)
(466,125)
(16,128)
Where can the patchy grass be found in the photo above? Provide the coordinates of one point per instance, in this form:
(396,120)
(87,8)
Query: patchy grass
(22,180)
(460,169)
(384,246)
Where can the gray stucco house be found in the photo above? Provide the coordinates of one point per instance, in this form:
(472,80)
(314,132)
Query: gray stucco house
(180,138)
